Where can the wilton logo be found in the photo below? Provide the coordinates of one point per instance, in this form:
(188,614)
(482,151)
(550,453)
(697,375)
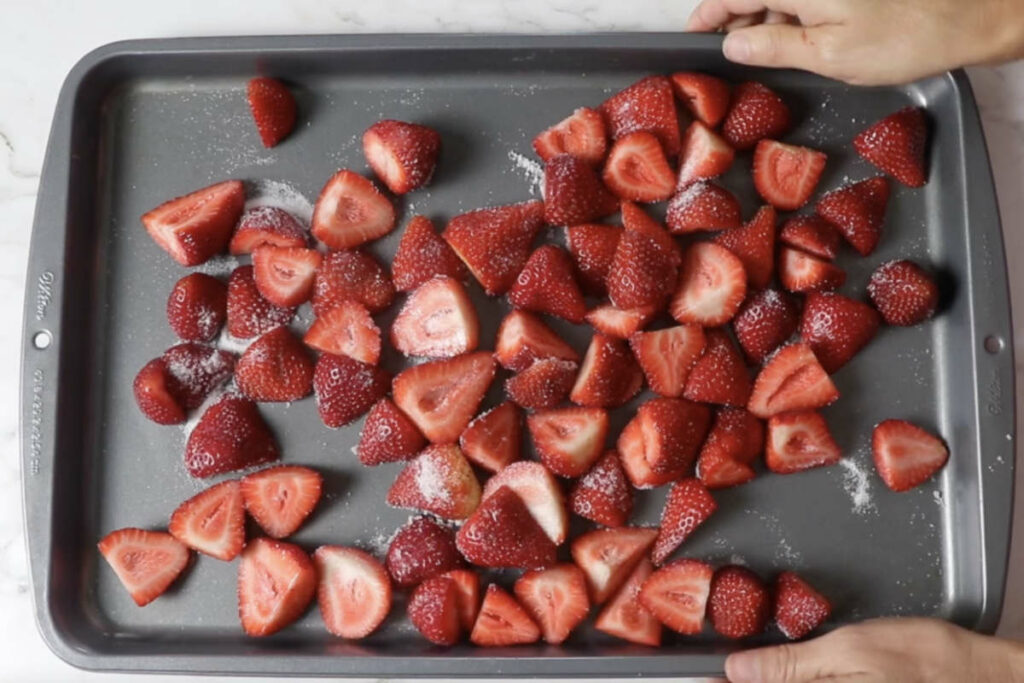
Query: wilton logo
(44,293)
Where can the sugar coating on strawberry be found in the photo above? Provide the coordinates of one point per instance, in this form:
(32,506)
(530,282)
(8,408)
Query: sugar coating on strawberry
(837,327)
(275,367)
(703,206)
(858,212)
(503,533)
(354,591)
(573,192)
(441,397)
(546,284)
(903,292)
(647,105)
(720,375)
(439,480)
(281,498)
(812,234)
(785,175)
(403,155)
(624,617)
(666,356)
(230,435)
(705,96)
(438,320)
(568,440)
(346,388)
(539,491)
(582,134)
(388,435)
(422,548)
(249,314)
(791,379)
(423,255)
(704,155)
(467,585)
(493,439)
(754,245)
(897,145)
(271,225)
(603,494)
(146,562)
(739,604)
(677,594)
(502,621)
(642,273)
(688,505)
(636,219)
(906,455)
(608,556)
(273,109)
(735,441)
(197,307)
(800,272)
(556,598)
(672,430)
(196,371)
(544,384)
(609,375)
(523,339)
(592,246)
(756,112)
(767,320)
(799,608)
(797,441)
(352,275)
(351,211)
(616,322)
(711,288)
(433,609)
(346,330)
(632,446)
(194,227)
(637,169)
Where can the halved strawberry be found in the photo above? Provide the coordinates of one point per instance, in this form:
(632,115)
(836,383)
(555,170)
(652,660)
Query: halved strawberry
(711,288)
(906,455)
(720,375)
(633,455)
(812,234)
(556,598)
(275,367)
(836,328)
(212,521)
(798,441)
(267,225)
(354,591)
(739,603)
(688,505)
(735,441)
(467,597)
(546,285)
(603,494)
(273,109)
(896,144)
(767,320)
(615,322)
(276,583)
(503,533)
(402,155)
(346,330)
(422,255)
(582,135)
(439,480)
(637,170)
(574,193)
(756,112)
(592,246)
(156,394)
(799,609)
(754,246)
(249,314)
(608,557)
(672,430)
(422,548)
(436,321)
(194,227)
(624,617)
(568,440)
(539,491)
(523,339)
(502,621)
(544,384)
(494,243)
(858,211)
(351,211)
(346,388)
(705,155)
(146,562)
(197,307)
(195,371)
(792,379)
(493,439)
(785,175)
(284,275)
(281,498)
(647,105)
(903,292)
(642,273)
(230,435)
(433,609)
(703,206)
(706,96)
(800,272)
(388,436)
(441,397)
(351,275)
(677,594)
(609,375)
(666,356)
(636,219)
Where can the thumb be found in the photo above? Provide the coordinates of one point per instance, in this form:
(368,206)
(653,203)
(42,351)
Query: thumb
(779,664)
(777,45)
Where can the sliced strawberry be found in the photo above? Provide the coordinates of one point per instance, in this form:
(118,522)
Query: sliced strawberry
(896,145)
(703,206)
(800,272)
(720,375)
(666,356)
(267,225)
(493,439)
(766,321)
(705,155)
(603,494)
(346,330)
(439,480)
(540,491)
(633,455)
(718,471)
(146,562)
(273,109)
(433,609)
(544,384)
(903,292)
(556,598)
(352,275)
(711,288)
(624,617)
(156,394)
(739,603)
(798,441)
(647,105)
(403,155)
(441,397)
(197,307)
(436,321)
(212,521)
(503,533)
(637,170)
(609,375)
(422,255)
(837,328)
(281,498)
(677,594)
(422,548)
(635,219)
(388,436)
(276,583)
(592,246)
(467,584)
(582,135)
(573,192)
(812,234)
(756,112)
(858,211)
(568,440)
(642,272)
(354,591)
(284,275)
(799,609)
(672,430)
(249,314)
(351,211)
(196,371)
(275,367)
(707,97)
(608,557)
(615,322)
(194,227)
(688,505)
(735,441)
(906,455)
(754,245)
(230,435)
(792,379)
(494,243)
(523,339)
(502,621)
(785,175)
(546,285)
(346,388)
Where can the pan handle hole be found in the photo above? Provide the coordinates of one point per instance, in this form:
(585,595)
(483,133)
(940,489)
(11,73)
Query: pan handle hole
(42,339)
(994,343)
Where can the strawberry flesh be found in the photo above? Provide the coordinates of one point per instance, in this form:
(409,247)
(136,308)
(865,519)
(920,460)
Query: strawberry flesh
(437,321)
(798,441)
(354,591)
(267,225)
(196,226)
(146,562)
(906,455)
(441,397)
(792,379)
(493,439)
(582,135)
(351,211)
(276,583)
(212,521)
(281,498)
(403,155)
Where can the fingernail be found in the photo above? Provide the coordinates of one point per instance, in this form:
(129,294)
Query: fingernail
(736,48)
(741,667)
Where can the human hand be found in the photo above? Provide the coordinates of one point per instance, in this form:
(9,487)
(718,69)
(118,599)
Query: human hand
(903,650)
(866,42)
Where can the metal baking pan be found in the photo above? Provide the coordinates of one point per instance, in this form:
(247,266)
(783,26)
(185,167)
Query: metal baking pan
(139,122)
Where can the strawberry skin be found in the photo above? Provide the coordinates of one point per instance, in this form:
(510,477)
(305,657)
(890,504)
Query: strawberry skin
(422,255)
(544,384)
(523,339)
(434,610)
(754,245)
(720,375)
(592,247)
(249,314)
(705,155)
(812,234)
(275,367)
(573,192)
(546,285)
(603,494)
(785,175)
(493,439)
(624,617)
(403,155)
(858,211)
(703,206)
(281,498)
(689,504)
(346,388)
(767,320)
(637,170)
(800,272)
(353,591)
(441,397)
(735,441)
(276,583)
(503,533)
(706,97)
(799,609)
(556,598)
(231,435)
(582,135)
(797,441)
(439,480)
(897,145)
(906,455)
(792,379)
(642,273)
(672,430)
(739,604)
(677,594)
(647,105)
(273,109)
(388,436)
(351,211)
(195,371)
(609,375)
(756,113)
(420,550)
(267,225)
(837,328)
(197,307)
(146,562)
(194,227)
(608,556)
(467,584)
(157,394)
(351,275)
(903,292)
(616,322)
(539,491)
(437,321)
(212,521)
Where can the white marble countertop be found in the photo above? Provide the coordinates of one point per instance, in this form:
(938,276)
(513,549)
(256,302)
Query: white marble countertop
(41,39)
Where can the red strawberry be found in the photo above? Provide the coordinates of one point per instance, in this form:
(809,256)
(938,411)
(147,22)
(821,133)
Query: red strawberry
(799,609)
(503,533)
(351,211)
(157,394)
(212,521)
(609,375)
(647,105)
(637,170)
(146,562)
(672,430)
(785,175)
(267,225)
(632,454)
(437,321)
(388,435)
(896,145)
(284,275)
(603,494)
(352,275)
(568,440)
(707,97)
(346,388)
(194,227)
(836,328)
(439,480)
(544,384)
(196,371)
(792,379)
(677,595)
(615,322)
(573,192)
(249,314)
(502,621)
(231,435)
(273,109)
(858,211)
(756,112)
(754,245)
(720,375)
(556,598)
(276,583)
(635,219)
(906,455)
(403,155)
(624,617)
(546,285)
(197,307)
(766,321)
(705,155)
(346,330)
(539,491)
(666,356)
(354,591)
(736,439)
(494,243)
(703,206)
(812,234)
(739,603)
(717,471)
(433,609)
(711,288)
(467,596)
(687,506)
(275,367)
(523,339)
(441,397)
(423,255)
(281,498)
(421,549)
(493,439)
(800,272)
(608,557)
(582,135)
(798,441)
(642,273)
(903,292)
(592,246)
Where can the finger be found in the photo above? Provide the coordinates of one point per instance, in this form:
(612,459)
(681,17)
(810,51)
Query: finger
(790,663)
(776,45)
(711,15)
(773,17)
(743,21)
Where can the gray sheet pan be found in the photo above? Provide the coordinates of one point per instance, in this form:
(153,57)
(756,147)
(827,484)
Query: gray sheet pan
(142,121)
